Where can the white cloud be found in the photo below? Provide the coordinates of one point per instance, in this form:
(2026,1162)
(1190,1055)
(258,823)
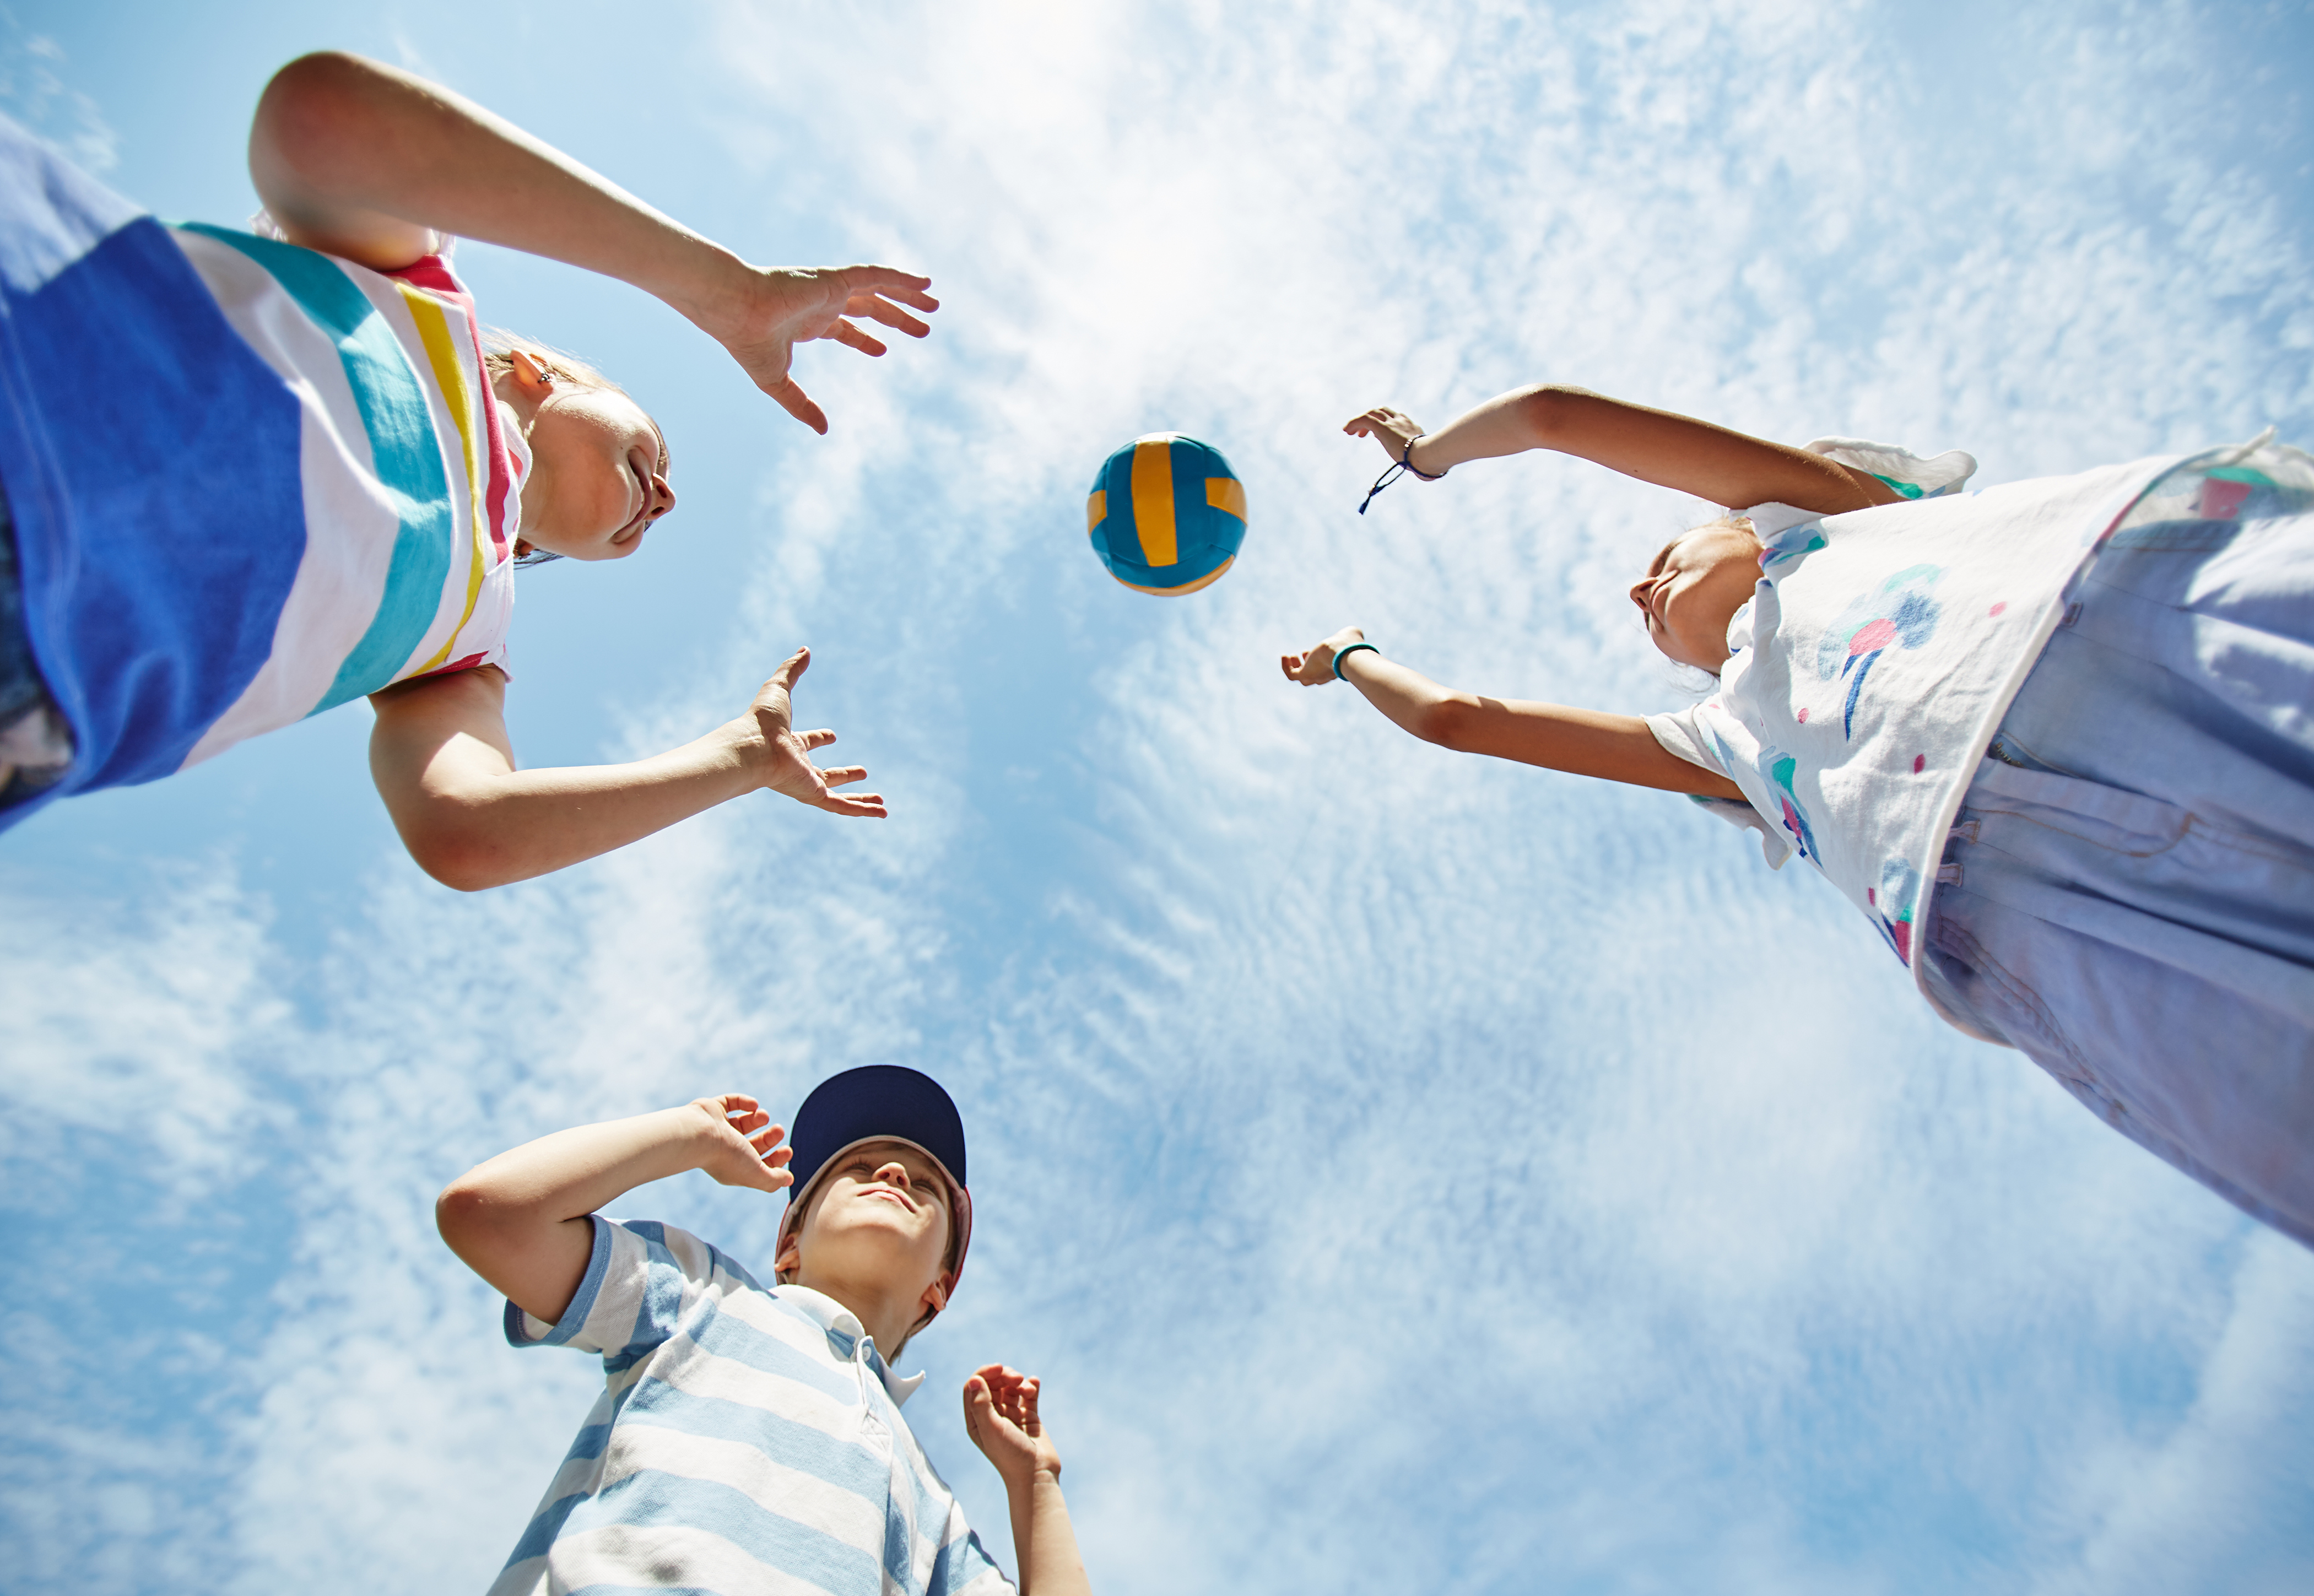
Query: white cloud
(1404,1171)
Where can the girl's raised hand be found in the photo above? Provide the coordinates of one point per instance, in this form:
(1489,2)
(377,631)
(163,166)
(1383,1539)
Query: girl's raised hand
(785,306)
(742,1143)
(1392,429)
(785,753)
(1316,667)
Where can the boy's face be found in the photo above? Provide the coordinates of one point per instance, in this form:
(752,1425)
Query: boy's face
(882,1210)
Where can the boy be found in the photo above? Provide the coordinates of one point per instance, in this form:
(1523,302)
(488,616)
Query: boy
(747,1439)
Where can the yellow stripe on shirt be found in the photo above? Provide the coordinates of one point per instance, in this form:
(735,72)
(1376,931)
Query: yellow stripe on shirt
(450,376)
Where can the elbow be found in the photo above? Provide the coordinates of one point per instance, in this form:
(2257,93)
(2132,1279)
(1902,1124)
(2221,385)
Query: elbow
(1547,410)
(464,1212)
(455,852)
(306,117)
(1448,722)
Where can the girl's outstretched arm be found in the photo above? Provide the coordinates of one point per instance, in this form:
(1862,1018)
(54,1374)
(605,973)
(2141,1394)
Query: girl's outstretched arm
(370,164)
(441,762)
(1659,447)
(1586,742)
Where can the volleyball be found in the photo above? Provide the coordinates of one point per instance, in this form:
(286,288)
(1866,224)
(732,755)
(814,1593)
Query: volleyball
(1166,514)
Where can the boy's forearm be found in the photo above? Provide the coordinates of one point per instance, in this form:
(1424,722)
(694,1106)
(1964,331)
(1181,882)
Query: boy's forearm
(520,1220)
(341,144)
(1044,1540)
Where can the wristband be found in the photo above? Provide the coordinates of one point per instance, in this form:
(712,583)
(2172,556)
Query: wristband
(1406,458)
(1342,654)
(1405,464)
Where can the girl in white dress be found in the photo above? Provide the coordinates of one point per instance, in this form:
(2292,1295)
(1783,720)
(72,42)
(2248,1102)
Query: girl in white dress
(2055,739)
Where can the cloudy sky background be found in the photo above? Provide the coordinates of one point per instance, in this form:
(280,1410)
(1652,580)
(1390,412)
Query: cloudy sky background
(1407,1173)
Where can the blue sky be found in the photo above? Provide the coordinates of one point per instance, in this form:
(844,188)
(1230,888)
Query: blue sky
(1405,1172)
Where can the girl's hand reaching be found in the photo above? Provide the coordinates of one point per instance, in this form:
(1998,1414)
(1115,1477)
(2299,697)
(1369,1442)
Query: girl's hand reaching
(742,1143)
(999,1415)
(784,306)
(785,753)
(1392,429)
(1316,667)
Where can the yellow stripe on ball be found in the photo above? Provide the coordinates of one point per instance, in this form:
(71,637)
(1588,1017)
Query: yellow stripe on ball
(1227,495)
(1153,501)
(1096,508)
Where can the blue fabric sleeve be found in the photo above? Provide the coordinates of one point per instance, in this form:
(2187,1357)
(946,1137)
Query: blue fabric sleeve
(151,462)
(582,1301)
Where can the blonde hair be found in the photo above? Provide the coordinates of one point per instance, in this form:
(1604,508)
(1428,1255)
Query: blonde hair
(499,347)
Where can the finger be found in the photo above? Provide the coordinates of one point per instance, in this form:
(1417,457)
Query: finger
(1289,663)
(791,669)
(852,337)
(877,308)
(903,285)
(867,806)
(844,775)
(793,400)
(737,1103)
(818,740)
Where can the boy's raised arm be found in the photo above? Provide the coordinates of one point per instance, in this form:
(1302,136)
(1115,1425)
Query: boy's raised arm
(522,1221)
(362,161)
(999,1415)
(1670,450)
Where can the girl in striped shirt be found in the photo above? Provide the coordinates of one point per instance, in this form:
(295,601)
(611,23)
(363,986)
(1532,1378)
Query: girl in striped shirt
(249,478)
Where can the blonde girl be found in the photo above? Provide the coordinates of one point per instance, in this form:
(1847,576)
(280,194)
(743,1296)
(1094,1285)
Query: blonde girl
(249,478)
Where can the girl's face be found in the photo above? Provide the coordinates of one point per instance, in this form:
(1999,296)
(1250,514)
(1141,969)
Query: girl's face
(597,466)
(599,475)
(1693,590)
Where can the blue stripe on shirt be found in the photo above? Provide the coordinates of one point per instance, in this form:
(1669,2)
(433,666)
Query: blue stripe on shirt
(653,1500)
(794,1445)
(406,454)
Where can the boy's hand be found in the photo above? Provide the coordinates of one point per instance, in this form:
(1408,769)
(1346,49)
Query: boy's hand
(742,1143)
(1316,668)
(1392,429)
(789,305)
(999,1415)
(785,753)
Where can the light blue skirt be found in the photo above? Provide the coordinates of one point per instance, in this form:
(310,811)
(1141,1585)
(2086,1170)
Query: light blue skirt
(2128,897)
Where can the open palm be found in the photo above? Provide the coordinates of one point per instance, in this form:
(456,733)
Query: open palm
(790,305)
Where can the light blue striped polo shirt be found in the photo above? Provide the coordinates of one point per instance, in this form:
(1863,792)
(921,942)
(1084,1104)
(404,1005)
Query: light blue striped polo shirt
(747,1441)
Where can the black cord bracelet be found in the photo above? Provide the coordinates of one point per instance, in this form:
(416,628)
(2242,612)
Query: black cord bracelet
(1405,464)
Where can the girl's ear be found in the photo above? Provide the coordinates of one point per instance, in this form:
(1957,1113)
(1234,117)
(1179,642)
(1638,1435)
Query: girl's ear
(530,378)
(789,1257)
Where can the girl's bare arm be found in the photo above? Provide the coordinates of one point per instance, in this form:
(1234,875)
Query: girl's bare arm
(368,162)
(1659,447)
(1585,742)
(441,762)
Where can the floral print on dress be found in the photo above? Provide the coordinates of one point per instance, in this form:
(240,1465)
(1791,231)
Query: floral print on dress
(1779,768)
(1782,553)
(1899,612)
(1893,902)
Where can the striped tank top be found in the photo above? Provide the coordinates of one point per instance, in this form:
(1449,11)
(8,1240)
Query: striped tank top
(247,482)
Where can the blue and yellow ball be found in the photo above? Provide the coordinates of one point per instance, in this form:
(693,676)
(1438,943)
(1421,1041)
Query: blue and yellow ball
(1166,514)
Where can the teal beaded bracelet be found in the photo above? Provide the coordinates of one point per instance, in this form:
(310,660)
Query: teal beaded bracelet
(1342,654)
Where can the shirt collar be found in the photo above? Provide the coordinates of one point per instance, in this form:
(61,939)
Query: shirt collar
(829,1314)
(518,449)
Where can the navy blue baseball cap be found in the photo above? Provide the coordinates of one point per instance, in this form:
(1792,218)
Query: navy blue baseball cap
(879,1103)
